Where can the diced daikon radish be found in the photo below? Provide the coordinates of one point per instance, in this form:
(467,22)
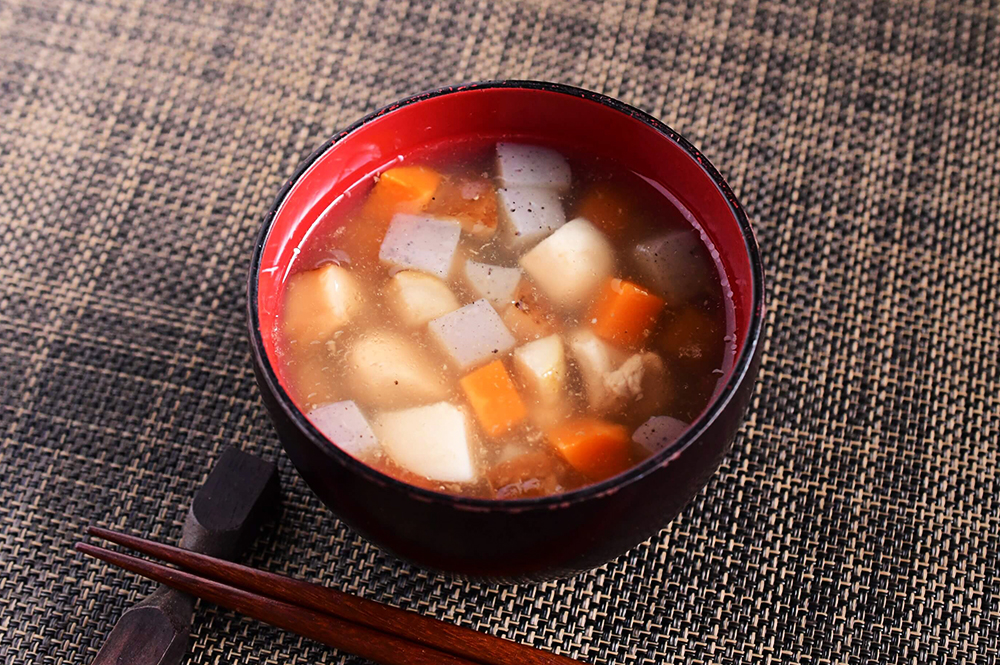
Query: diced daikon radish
(345,425)
(320,302)
(494,283)
(431,441)
(388,370)
(416,297)
(571,264)
(532,166)
(666,263)
(658,432)
(472,335)
(421,242)
(527,215)
(541,368)
(596,359)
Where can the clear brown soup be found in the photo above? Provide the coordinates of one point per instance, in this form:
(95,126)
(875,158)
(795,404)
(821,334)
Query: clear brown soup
(456,326)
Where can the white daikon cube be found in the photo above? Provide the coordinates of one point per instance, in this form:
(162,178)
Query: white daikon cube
(416,297)
(596,360)
(421,242)
(528,214)
(472,335)
(521,165)
(659,432)
(673,264)
(387,370)
(345,425)
(320,302)
(494,283)
(541,368)
(431,441)
(571,264)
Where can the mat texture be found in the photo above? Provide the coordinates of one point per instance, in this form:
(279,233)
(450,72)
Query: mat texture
(856,520)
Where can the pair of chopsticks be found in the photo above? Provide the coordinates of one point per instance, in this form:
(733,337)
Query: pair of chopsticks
(378,632)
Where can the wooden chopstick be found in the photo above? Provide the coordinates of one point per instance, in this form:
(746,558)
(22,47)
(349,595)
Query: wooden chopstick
(345,635)
(448,638)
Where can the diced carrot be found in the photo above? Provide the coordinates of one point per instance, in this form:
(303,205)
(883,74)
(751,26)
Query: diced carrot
(406,189)
(473,202)
(607,207)
(528,316)
(596,448)
(494,398)
(625,313)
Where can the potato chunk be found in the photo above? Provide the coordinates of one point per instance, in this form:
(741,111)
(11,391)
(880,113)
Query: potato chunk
(472,335)
(665,261)
(527,215)
(571,264)
(532,166)
(320,302)
(416,297)
(388,370)
(658,432)
(494,283)
(344,425)
(431,441)
(420,242)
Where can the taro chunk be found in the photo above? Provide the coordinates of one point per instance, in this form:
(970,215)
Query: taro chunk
(430,441)
(531,166)
(658,432)
(472,335)
(345,425)
(596,360)
(419,242)
(528,215)
(541,368)
(674,264)
(416,298)
(320,302)
(570,264)
(494,283)
(386,369)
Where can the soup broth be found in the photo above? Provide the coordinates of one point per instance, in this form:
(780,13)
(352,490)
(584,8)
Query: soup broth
(504,321)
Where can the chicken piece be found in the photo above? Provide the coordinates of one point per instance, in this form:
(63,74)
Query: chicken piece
(532,166)
(388,370)
(416,297)
(494,283)
(472,335)
(658,432)
(527,474)
(320,302)
(673,264)
(431,441)
(571,264)
(527,215)
(421,242)
(346,427)
(638,385)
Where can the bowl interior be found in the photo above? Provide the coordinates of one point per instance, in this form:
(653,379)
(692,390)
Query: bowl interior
(539,113)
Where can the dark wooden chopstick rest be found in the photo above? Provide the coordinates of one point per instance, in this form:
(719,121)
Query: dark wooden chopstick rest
(271,598)
(238,495)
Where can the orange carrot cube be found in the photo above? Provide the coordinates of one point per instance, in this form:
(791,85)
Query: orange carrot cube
(473,202)
(606,207)
(494,398)
(596,448)
(625,313)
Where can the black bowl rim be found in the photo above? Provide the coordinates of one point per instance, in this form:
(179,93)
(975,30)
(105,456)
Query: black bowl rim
(611,485)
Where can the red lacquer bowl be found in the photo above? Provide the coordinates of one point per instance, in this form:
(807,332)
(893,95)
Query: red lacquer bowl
(528,538)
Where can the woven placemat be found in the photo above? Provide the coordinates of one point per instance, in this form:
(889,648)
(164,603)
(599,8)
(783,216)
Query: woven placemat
(856,519)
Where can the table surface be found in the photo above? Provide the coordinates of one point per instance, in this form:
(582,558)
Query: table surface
(856,519)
